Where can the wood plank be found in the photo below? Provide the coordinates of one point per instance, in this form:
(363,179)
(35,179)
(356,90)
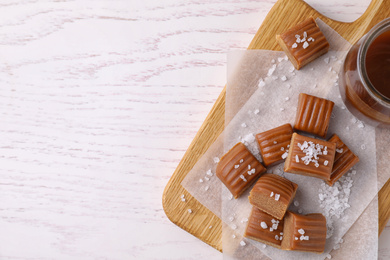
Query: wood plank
(283,14)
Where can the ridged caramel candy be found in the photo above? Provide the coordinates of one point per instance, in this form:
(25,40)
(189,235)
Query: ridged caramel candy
(344,160)
(273,194)
(273,143)
(303,43)
(238,169)
(261,228)
(311,157)
(313,114)
(304,232)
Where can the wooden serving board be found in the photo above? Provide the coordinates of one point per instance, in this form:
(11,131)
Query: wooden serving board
(283,15)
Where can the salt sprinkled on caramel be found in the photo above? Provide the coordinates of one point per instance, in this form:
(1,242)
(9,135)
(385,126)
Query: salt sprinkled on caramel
(277,196)
(263,225)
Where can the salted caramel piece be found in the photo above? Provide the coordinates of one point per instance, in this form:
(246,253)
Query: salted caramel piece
(304,232)
(303,43)
(273,194)
(264,228)
(343,161)
(313,114)
(238,169)
(311,157)
(273,144)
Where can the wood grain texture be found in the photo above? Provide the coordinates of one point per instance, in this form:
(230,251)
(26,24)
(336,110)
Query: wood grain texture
(285,12)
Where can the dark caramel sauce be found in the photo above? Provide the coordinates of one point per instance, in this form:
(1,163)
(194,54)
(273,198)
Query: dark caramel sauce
(378,64)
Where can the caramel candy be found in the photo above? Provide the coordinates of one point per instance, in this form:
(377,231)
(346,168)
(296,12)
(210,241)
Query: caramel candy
(273,194)
(310,157)
(303,43)
(313,114)
(238,169)
(264,228)
(304,232)
(343,161)
(273,144)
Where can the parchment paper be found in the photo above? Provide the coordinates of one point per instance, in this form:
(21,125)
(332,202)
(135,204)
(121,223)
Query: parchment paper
(273,103)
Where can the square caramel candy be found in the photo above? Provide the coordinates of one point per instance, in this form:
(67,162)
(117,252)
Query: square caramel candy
(303,43)
(238,169)
(274,144)
(273,194)
(313,114)
(311,157)
(304,232)
(264,228)
(343,161)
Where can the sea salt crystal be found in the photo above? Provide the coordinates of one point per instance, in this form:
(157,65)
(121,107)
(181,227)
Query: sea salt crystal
(231,218)
(190,211)
(305,45)
(296,203)
(326,162)
(216,159)
(234,227)
(272,194)
(284,156)
(200,180)
(242,243)
(261,83)
(271,70)
(256,111)
(280,59)
(301,231)
(249,138)
(243,177)
(206,188)
(277,196)
(206,178)
(236,166)
(244,220)
(326,60)
(209,173)
(283,78)
(296,158)
(296,238)
(233,236)
(276,237)
(287,98)
(263,225)
(242,160)
(243,125)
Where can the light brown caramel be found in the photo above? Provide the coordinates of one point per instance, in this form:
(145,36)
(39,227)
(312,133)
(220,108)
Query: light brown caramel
(313,114)
(322,169)
(307,48)
(268,235)
(234,172)
(273,194)
(273,143)
(344,160)
(312,225)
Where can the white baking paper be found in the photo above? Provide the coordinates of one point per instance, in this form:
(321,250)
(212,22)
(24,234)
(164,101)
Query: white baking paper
(275,86)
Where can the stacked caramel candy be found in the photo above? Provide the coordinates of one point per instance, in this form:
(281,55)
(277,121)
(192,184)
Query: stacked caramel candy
(270,222)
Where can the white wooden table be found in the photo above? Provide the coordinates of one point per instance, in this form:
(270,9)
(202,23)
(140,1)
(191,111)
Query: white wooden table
(98,102)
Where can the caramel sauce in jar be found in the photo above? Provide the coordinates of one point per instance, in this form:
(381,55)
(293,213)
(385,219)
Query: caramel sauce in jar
(365,77)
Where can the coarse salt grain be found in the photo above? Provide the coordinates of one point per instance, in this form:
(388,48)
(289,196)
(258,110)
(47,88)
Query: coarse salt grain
(263,225)
(261,83)
(284,156)
(244,220)
(234,227)
(242,243)
(326,60)
(276,237)
(272,194)
(287,98)
(236,166)
(256,111)
(297,158)
(216,159)
(339,150)
(200,180)
(190,211)
(249,166)
(206,188)
(277,196)
(243,177)
(326,162)
(210,227)
(296,238)
(243,125)
(233,236)
(305,45)
(296,203)
(295,45)
(209,173)
(283,78)
(301,231)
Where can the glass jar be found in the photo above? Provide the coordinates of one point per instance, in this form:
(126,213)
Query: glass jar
(365,101)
